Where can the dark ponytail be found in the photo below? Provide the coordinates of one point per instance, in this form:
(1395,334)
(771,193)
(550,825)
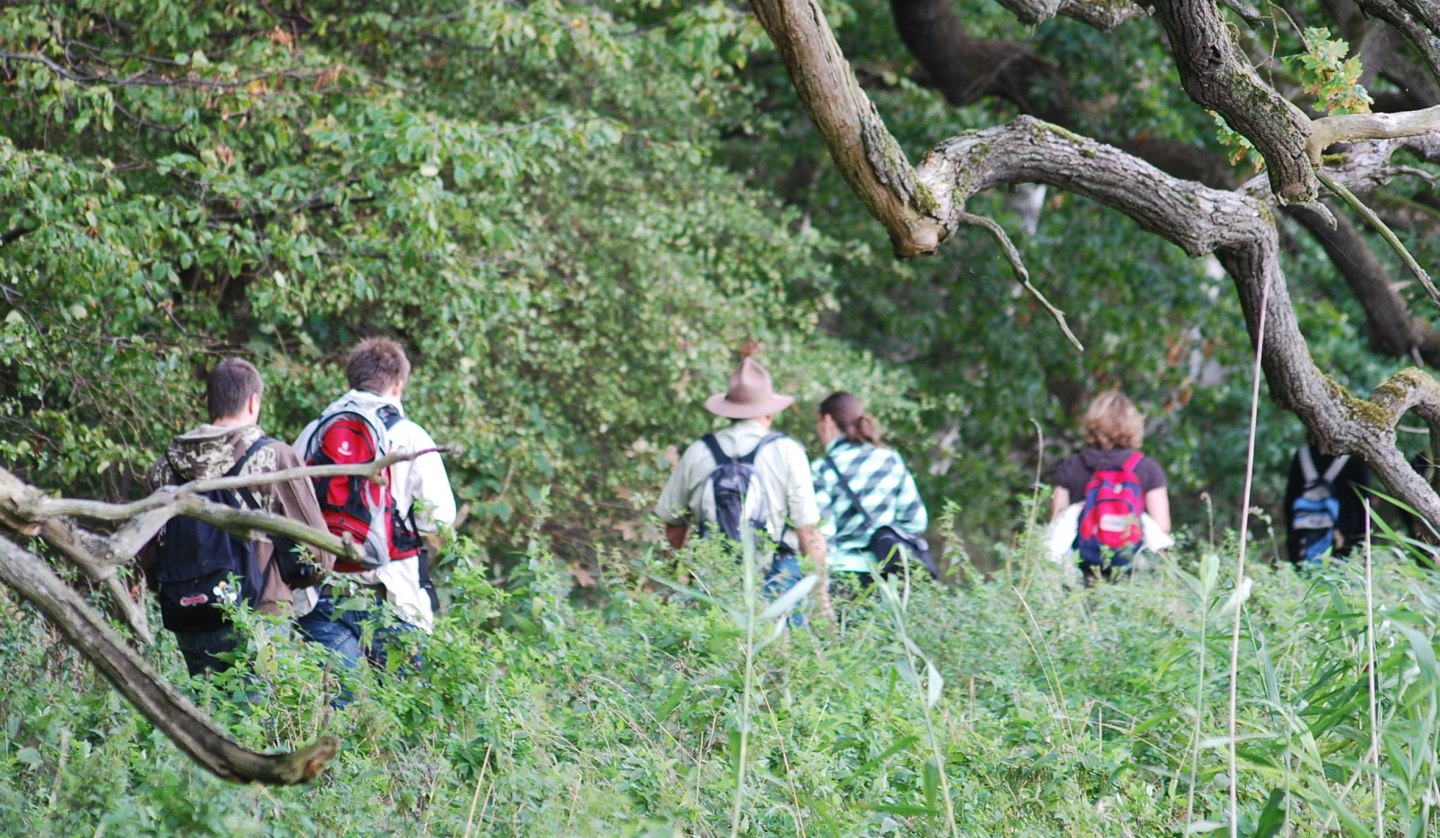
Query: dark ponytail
(850,418)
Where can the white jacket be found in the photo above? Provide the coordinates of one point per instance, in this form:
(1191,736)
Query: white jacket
(422,479)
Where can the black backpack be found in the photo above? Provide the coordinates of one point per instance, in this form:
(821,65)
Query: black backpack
(734,491)
(198,559)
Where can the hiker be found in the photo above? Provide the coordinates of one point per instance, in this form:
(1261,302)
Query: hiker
(874,515)
(1115,495)
(390,520)
(1324,511)
(747,471)
(195,565)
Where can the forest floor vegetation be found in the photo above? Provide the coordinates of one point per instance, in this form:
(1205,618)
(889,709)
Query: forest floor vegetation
(1053,711)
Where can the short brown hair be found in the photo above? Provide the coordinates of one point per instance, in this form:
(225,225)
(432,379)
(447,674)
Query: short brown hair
(230,385)
(1113,421)
(377,364)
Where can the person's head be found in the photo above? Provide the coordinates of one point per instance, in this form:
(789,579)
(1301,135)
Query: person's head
(232,393)
(751,395)
(378,365)
(1112,421)
(841,414)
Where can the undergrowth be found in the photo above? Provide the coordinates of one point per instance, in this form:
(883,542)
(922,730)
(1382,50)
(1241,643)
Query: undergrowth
(1051,711)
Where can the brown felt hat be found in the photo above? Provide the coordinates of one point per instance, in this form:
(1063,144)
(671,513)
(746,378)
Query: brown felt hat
(750,395)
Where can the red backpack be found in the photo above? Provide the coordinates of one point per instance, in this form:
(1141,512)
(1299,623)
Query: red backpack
(1110,533)
(349,435)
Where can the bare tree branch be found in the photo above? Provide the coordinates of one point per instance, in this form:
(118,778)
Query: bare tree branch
(847,119)
(155,698)
(1237,227)
(1021,272)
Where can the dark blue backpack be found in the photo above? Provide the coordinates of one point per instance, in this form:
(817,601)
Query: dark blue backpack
(734,491)
(202,565)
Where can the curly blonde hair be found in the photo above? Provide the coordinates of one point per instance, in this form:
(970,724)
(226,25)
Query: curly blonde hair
(1113,421)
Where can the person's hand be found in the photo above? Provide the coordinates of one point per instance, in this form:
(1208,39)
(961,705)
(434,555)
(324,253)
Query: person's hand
(827,610)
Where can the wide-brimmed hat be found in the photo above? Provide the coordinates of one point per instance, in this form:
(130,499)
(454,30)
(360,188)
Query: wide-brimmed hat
(750,395)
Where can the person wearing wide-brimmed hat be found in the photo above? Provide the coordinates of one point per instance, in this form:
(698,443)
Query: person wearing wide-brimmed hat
(750,403)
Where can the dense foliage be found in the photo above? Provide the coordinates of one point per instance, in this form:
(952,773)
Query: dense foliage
(574,215)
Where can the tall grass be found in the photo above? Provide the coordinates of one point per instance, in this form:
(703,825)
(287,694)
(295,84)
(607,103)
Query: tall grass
(974,709)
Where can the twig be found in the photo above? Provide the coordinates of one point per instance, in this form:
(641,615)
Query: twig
(46,507)
(1384,230)
(1018,264)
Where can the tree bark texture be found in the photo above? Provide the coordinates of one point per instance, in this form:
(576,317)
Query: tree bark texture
(1218,76)
(154,697)
(1236,226)
(866,153)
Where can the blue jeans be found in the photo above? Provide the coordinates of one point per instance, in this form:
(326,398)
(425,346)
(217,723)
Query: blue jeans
(783,575)
(342,631)
(200,648)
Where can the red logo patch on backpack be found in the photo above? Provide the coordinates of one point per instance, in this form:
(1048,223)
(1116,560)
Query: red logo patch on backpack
(1110,532)
(355,504)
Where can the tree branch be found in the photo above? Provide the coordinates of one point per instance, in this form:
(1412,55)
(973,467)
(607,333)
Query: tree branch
(1237,227)
(1218,76)
(156,699)
(1392,329)
(870,160)
(1349,128)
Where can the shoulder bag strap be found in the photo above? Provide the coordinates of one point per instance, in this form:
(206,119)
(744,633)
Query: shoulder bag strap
(854,498)
(1132,461)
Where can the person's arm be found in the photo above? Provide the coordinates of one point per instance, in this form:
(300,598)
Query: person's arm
(801,506)
(812,543)
(1157,506)
(673,506)
(429,482)
(1059,499)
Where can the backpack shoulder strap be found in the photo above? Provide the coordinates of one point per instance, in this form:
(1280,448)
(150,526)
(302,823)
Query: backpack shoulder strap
(721,458)
(1307,464)
(1132,461)
(389,415)
(854,498)
(244,492)
(749,459)
(1336,467)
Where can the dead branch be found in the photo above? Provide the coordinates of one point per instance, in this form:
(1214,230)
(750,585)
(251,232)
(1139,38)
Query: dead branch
(155,698)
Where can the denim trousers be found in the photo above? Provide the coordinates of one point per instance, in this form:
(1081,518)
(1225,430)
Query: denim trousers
(342,630)
(201,648)
(784,574)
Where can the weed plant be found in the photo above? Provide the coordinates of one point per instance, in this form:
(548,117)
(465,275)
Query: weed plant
(1000,705)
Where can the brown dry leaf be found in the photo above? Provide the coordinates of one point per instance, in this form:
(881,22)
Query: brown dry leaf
(583,578)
